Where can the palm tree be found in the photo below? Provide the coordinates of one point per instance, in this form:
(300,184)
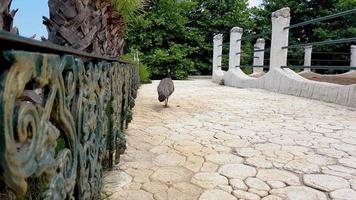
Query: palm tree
(7,16)
(95,26)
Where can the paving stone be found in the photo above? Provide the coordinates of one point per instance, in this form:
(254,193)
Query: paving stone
(136,164)
(238,184)
(299,192)
(172,175)
(278,175)
(209,180)
(341,168)
(169,159)
(237,171)
(276,184)
(261,193)
(331,152)
(344,194)
(259,162)
(161,195)
(117,179)
(139,175)
(222,131)
(209,167)
(160,149)
(245,195)
(154,187)
(353,183)
(302,166)
(339,174)
(184,191)
(272,197)
(132,195)
(222,159)
(325,182)
(226,188)
(215,194)
(194,163)
(247,152)
(348,162)
(257,184)
(132,186)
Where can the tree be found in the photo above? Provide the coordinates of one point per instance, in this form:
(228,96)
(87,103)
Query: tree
(211,17)
(7,16)
(178,34)
(161,35)
(95,26)
(303,10)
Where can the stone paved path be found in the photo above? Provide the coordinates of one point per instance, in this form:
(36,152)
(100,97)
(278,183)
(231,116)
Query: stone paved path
(216,143)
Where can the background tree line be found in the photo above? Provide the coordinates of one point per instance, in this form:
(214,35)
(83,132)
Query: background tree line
(177,34)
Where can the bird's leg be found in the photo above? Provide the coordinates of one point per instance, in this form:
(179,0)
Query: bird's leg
(166,103)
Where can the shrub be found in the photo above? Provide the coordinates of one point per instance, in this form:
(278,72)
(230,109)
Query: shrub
(143,69)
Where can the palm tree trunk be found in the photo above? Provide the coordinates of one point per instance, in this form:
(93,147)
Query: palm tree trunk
(7,16)
(89,25)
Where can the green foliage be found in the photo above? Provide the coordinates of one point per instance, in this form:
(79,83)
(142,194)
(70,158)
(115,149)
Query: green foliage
(303,10)
(129,8)
(178,34)
(144,72)
(211,17)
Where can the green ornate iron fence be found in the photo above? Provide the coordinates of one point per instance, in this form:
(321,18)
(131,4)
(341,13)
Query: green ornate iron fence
(62,116)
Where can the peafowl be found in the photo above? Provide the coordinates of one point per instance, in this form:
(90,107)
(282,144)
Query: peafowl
(165,88)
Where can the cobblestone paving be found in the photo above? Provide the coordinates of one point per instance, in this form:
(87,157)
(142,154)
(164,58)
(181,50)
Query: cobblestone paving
(216,142)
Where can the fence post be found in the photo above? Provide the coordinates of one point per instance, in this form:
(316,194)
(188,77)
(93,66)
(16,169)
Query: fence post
(307,57)
(280,20)
(353,57)
(217,51)
(258,57)
(235,47)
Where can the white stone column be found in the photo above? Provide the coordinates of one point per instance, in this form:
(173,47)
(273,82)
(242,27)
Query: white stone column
(217,51)
(307,57)
(258,55)
(353,57)
(280,20)
(235,47)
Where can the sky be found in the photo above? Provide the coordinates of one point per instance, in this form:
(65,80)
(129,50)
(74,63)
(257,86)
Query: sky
(29,17)
(253,3)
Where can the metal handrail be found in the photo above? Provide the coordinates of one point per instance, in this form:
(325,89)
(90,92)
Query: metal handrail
(259,50)
(331,52)
(320,67)
(262,34)
(313,21)
(17,42)
(326,42)
(256,66)
(319,60)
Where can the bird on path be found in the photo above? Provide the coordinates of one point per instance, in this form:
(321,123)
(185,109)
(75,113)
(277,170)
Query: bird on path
(165,88)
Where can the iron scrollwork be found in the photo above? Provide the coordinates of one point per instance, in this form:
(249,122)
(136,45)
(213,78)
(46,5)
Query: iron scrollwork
(62,123)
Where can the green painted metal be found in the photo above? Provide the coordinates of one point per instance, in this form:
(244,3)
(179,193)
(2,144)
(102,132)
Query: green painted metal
(326,42)
(256,66)
(262,34)
(320,19)
(265,50)
(17,42)
(321,60)
(320,67)
(61,119)
(331,52)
